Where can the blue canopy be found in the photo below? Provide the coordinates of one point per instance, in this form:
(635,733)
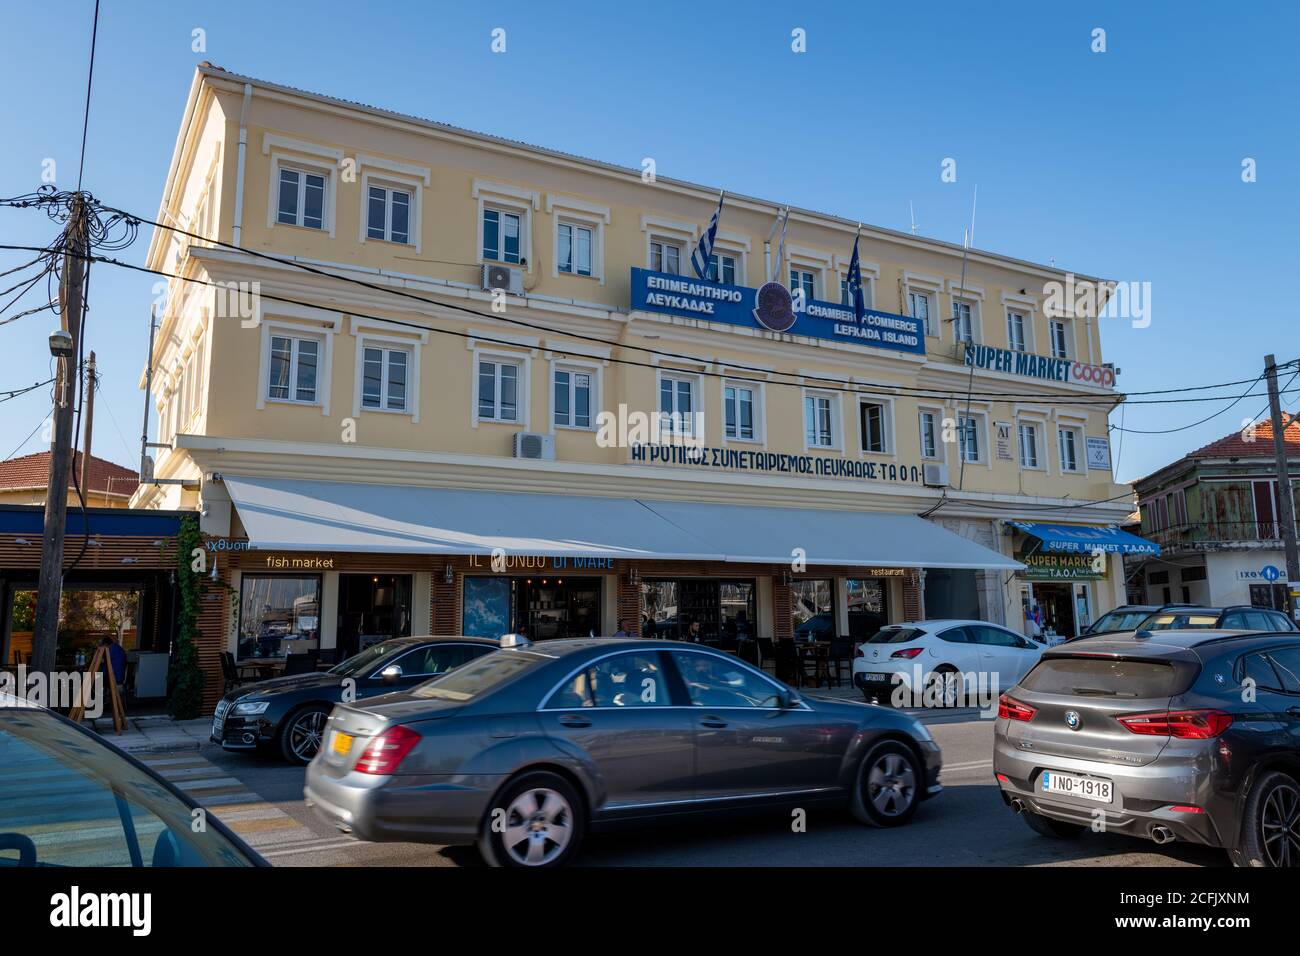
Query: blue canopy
(1078,539)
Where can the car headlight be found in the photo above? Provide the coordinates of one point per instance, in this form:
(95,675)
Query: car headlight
(248,708)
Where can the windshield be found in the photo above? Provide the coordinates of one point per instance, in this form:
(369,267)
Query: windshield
(366,659)
(1181,620)
(478,677)
(895,635)
(1119,621)
(1109,677)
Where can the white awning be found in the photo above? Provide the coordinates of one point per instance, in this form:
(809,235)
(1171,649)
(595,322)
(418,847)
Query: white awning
(299,515)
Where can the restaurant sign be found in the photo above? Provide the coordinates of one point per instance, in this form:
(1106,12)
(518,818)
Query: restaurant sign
(775,463)
(737,305)
(1061,566)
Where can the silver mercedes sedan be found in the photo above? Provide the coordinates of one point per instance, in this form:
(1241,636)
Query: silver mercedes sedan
(524,750)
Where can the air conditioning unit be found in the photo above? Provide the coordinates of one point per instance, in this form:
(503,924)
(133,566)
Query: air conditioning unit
(503,277)
(533,445)
(934,476)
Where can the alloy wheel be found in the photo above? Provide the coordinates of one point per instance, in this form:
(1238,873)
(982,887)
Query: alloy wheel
(891,785)
(538,827)
(1279,823)
(305,734)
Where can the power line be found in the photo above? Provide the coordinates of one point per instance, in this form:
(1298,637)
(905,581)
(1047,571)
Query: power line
(18,392)
(1183,428)
(10,456)
(90,78)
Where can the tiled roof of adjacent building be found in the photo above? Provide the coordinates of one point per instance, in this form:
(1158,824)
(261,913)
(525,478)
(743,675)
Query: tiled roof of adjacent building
(1239,445)
(33,471)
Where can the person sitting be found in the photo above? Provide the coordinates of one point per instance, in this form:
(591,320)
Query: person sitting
(114,660)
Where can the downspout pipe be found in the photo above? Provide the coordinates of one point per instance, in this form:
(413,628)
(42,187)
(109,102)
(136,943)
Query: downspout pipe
(239,168)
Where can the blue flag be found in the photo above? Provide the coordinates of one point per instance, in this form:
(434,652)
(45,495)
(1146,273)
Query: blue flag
(855,284)
(704,251)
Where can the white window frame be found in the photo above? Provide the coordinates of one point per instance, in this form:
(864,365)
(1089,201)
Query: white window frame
(802,270)
(1066,337)
(936,424)
(573,366)
(665,243)
(412,185)
(1032,427)
(324,325)
(578,214)
(296,340)
(886,404)
(760,419)
(807,259)
(1080,458)
(1024,330)
(719,254)
(509,199)
(931,287)
(976,329)
(303,157)
(837,419)
(737,246)
(379,334)
(523,379)
(981,420)
(697,401)
(681,234)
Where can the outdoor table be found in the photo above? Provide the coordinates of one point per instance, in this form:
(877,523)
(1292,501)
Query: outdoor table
(265,667)
(820,652)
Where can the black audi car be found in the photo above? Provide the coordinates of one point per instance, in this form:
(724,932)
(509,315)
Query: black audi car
(289,712)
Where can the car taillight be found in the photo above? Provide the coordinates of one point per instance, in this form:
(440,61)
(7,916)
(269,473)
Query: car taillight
(385,752)
(907,653)
(1184,724)
(1012,709)
(861,652)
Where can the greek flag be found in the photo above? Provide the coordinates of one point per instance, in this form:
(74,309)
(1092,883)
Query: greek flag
(855,284)
(704,251)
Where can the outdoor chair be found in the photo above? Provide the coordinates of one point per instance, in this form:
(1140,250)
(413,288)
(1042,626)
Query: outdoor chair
(304,663)
(229,673)
(841,658)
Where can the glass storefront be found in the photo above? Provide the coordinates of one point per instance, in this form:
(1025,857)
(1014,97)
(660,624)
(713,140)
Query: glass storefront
(724,609)
(279,614)
(868,606)
(812,609)
(540,608)
(372,608)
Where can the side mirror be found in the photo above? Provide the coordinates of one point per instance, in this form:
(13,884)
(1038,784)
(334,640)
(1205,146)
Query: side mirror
(390,674)
(790,699)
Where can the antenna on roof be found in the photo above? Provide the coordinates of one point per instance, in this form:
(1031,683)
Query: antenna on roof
(912,212)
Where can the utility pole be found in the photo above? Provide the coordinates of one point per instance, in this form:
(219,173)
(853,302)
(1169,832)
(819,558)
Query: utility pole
(90,426)
(1286,504)
(63,345)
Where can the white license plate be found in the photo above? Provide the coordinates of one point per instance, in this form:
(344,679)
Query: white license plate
(1072,785)
(877,678)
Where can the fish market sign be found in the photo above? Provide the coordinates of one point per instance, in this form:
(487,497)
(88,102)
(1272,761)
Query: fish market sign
(1039,366)
(671,294)
(775,463)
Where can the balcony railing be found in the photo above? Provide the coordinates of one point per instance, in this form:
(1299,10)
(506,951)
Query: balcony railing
(1212,533)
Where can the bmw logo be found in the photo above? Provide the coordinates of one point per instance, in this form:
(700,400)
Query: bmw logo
(1072,720)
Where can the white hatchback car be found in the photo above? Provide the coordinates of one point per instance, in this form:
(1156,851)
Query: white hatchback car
(936,661)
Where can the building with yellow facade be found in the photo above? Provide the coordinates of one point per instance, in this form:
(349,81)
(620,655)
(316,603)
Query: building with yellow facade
(415,397)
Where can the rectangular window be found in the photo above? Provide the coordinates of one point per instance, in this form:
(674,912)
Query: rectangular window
(275,610)
(574,249)
(677,404)
(383,378)
(388,214)
(501,236)
(875,428)
(739,411)
(968,439)
(1015,331)
(802,279)
(962,329)
(1028,435)
(929,438)
(665,257)
(722,268)
(302,198)
(819,423)
(918,307)
(498,391)
(293,370)
(1069,450)
(572,398)
(1060,343)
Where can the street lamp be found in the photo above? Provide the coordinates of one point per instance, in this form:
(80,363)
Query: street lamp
(61,343)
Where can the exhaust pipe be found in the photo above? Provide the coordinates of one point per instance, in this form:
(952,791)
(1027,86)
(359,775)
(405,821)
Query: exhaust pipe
(1162,835)
(1018,806)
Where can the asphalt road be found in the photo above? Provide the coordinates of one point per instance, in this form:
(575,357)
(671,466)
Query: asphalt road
(966,825)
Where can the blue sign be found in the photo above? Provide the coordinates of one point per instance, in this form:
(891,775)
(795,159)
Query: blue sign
(736,305)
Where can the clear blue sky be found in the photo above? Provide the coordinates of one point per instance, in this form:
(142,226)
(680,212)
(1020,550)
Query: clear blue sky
(1125,164)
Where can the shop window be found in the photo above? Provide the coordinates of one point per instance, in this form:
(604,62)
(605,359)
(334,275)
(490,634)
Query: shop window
(574,249)
(717,682)
(485,607)
(812,609)
(301,198)
(725,610)
(498,391)
(502,236)
(294,366)
(278,615)
(372,608)
(665,256)
(722,268)
(867,601)
(383,378)
(738,406)
(624,680)
(659,604)
(572,398)
(388,214)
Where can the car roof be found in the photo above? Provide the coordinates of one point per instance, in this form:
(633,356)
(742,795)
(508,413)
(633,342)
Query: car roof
(10,701)
(425,638)
(1164,643)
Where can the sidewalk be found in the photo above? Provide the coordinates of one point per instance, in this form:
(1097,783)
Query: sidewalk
(154,734)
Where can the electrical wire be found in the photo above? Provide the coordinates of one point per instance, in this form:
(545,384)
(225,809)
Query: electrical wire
(19,392)
(1183,428)
(90,78)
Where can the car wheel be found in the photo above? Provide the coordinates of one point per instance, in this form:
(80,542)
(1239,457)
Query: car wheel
(301,735)
(888,786)
(1270,823)
(536,821)
(1046,826)
(943,685)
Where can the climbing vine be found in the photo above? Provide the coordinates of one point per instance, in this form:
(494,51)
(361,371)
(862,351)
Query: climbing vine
(185,681)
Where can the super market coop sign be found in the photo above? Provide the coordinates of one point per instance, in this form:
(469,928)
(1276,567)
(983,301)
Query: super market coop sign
(773,309)
(1027,365)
